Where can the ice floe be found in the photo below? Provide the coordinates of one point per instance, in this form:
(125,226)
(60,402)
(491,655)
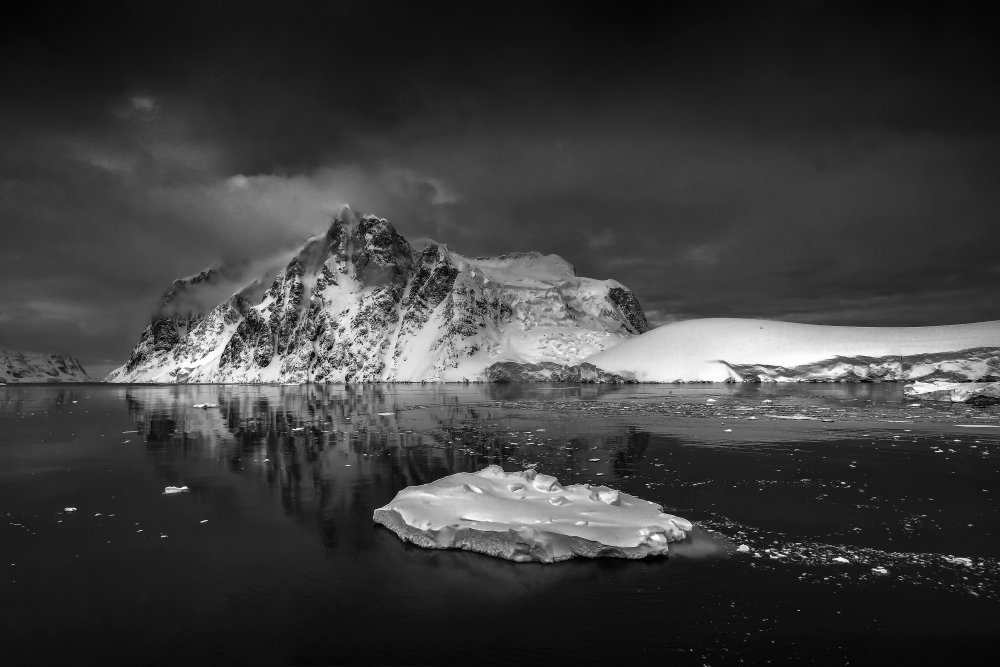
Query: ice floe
(206,405)
(170,490)
(526,516)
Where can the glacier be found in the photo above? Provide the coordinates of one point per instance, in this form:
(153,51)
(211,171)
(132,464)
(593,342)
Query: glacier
(748,350)
(525,516)
(31,367)
(975,393)
(358,304)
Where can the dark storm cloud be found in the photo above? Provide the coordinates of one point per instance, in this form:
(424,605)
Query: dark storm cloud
(820,162)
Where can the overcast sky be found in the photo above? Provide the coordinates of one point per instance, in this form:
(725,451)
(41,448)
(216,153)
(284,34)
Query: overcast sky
(804,161)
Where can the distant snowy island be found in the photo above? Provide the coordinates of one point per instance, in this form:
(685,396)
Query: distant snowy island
(358,304)
(18,367)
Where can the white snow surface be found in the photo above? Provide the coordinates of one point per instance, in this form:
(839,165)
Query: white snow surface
(728,349)
(526,516)
(32,367)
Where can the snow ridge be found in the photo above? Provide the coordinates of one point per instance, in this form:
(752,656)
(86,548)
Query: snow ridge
(358,304)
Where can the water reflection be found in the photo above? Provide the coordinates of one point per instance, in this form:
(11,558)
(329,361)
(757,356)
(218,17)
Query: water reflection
(290,569)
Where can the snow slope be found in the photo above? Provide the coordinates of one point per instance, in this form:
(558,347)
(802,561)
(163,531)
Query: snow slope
(725,349)
(524,516)
(359,304)
(30,367)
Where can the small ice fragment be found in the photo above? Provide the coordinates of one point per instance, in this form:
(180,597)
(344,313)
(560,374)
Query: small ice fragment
(69,509)
(711,400)
(203,521)
(767,401)
(300,428)
(206,405)
(170,490)
(880,570)
(728,430)
(594,460)
(743,549)
(347,465)
(959,560)
(385,414)
(841,560)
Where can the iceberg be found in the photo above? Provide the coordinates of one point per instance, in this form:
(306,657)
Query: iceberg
(526,516)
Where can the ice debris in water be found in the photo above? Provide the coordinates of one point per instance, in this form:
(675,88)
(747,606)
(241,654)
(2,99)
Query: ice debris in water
(69,509)
(170,490)
(206,405)
(526,516)
(959,560)
(743,549)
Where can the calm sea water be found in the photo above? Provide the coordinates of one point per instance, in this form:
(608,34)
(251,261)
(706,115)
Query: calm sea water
(872,525)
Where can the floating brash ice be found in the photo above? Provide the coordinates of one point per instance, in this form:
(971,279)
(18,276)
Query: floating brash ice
(525,516)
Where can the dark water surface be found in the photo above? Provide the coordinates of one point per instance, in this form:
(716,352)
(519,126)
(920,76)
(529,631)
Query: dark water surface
(272,556)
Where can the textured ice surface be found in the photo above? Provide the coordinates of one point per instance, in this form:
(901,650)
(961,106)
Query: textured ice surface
(526,516)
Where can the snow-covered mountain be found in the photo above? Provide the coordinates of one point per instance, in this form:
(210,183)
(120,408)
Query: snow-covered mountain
(359,304)
(30,367)
(742,350)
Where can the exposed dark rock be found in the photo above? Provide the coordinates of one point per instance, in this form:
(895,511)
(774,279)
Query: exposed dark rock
(547,371)
(630,309)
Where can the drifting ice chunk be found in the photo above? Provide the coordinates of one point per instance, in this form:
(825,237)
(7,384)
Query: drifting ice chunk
(524,516)
(170,490)
(206,405)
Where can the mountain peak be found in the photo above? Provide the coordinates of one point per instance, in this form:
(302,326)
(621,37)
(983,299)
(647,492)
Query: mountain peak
(358,304)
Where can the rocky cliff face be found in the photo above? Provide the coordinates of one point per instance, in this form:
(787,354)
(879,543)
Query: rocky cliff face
(358,304)
(29,367)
